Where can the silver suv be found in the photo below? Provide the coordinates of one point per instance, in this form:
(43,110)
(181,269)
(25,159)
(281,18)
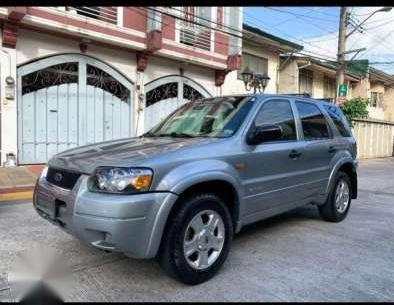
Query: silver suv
(180,191)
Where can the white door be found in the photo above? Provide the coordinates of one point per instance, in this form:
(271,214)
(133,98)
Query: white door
(66,101)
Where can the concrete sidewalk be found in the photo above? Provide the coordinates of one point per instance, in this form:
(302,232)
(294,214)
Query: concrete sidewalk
(17,183)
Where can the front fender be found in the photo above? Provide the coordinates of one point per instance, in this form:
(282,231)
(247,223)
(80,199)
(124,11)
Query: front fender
(186,175)
(178,180)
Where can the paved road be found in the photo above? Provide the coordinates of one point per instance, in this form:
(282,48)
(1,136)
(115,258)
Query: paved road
(294,257)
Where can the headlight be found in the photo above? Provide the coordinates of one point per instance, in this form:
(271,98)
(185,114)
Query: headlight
(121,180)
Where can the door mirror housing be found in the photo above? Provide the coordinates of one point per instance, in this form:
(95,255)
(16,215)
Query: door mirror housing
(264,133)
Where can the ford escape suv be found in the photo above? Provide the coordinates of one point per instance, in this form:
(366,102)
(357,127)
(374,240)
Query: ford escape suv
(180,191)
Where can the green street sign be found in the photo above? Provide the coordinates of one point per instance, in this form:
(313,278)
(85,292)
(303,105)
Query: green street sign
(342,90)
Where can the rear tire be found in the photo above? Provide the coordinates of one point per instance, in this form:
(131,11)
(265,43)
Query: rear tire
(193,228)
(338,202)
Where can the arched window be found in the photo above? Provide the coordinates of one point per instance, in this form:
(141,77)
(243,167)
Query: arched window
(165,94)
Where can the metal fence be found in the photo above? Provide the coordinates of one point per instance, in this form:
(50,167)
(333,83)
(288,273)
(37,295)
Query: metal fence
(195,36)
(104,13)
(375,138)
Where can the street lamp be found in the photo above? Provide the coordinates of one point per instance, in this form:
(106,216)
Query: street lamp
(383,9)
(253,80)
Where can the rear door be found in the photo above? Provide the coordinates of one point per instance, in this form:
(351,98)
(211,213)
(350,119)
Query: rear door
(319,147)
(344,138)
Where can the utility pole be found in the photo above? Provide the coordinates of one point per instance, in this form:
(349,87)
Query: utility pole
(341,48)
(344,20)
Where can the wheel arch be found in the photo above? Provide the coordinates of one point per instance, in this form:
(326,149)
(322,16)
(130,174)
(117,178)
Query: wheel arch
(347,166)
(222,187)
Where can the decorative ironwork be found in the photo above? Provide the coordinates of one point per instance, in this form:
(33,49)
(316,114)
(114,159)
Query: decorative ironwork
(55,75)
(190,93)
(98,78)
(169,90)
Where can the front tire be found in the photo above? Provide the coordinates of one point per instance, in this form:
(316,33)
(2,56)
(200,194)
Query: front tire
(338,202)
(197,240)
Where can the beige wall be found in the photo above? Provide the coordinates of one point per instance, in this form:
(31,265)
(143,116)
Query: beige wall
(389,103)
(318,85)
(361,88)
(232,85)
(288,78)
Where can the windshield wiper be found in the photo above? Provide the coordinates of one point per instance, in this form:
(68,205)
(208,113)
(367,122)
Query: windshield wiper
(172,134)
(149,134)
(175,135)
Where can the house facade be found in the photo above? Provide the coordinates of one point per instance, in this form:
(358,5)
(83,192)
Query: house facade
(378,87)
(77,75)
(261,54)
(300,75)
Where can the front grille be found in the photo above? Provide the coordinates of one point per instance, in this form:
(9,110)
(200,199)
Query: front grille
(62,178)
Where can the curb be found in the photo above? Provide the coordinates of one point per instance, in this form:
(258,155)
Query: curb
(18,193)
(16,196)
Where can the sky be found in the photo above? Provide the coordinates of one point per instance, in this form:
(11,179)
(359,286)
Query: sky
(316,28)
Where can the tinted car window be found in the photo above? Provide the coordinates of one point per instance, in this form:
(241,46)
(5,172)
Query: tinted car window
(339,119)
(313,122)
(213,117)
(278,112)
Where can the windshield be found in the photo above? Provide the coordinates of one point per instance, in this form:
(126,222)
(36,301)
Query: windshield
(214,117)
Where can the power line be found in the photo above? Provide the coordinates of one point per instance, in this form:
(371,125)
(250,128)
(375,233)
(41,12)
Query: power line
(382,63)
(320,35)
(238,36)
(321,12)
(305,53)
(289,19)
(380,41)
(299,15)
(300,40)
(379,25)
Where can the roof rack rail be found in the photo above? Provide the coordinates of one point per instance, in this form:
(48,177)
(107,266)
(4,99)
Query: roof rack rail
(298,94)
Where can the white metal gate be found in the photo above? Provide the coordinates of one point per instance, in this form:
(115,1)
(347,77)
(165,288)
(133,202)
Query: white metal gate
(164,95)
(70,100)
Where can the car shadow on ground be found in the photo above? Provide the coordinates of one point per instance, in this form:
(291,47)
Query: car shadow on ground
(144,271)
(309,212)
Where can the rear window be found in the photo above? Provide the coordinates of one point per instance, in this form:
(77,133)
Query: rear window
(339,120)
(313,122)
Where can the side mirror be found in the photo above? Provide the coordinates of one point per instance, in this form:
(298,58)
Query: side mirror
(264,133)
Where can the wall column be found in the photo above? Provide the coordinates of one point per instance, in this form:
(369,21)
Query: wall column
(142,62)
(8,107)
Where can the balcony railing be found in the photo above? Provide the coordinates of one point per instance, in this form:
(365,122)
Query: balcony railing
(195,36)
(104,13)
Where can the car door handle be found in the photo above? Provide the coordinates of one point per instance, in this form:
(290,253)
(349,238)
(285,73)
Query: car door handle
(332,149)
(294,154)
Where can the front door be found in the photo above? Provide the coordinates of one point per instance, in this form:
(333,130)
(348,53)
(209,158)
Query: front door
(70,100)
(274,170)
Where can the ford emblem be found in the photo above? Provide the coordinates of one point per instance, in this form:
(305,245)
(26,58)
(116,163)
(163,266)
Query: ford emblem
(58,177)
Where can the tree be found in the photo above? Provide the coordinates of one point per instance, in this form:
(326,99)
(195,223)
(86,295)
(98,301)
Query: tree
(356,108)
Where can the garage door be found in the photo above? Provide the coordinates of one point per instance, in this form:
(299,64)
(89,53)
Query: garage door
(164,95)
(67,101)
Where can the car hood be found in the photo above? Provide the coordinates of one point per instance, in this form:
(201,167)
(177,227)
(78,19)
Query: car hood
(123,152)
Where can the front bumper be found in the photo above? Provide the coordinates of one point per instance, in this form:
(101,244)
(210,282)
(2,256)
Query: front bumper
(132,224)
